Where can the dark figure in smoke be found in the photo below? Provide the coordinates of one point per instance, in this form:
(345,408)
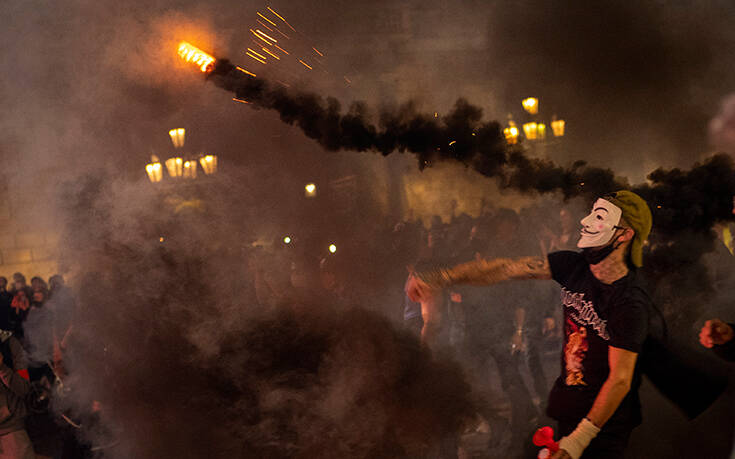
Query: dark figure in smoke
(5,299)
(14,387)
(20,305)
(720,337)
(595,400)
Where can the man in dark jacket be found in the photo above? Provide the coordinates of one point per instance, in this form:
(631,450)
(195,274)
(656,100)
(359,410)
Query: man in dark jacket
(14,388)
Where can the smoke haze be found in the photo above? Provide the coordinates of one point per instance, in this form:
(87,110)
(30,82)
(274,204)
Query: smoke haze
(90,90)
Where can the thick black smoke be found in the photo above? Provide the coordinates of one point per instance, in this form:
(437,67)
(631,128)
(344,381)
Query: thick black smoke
(685,204)
(184,368)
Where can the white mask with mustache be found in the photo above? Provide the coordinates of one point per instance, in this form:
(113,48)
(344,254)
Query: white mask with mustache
(598,228)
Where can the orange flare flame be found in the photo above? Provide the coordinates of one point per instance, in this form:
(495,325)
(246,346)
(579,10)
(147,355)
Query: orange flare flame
(191,53)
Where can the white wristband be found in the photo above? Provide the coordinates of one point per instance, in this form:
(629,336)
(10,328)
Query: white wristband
(575,443)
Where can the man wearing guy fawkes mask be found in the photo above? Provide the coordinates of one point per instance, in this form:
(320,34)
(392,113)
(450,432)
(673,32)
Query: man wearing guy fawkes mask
(606,313)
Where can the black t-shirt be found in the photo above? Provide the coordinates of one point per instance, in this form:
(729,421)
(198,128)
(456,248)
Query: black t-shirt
(596,316)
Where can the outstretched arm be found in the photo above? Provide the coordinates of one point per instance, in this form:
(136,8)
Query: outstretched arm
(479,272)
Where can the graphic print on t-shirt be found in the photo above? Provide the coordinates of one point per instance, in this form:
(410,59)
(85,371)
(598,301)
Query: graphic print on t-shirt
(574,353)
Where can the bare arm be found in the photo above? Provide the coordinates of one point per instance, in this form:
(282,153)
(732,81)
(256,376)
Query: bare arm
(616,387)
(479,272)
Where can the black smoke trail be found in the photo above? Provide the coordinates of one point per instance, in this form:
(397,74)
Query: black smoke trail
(685,204)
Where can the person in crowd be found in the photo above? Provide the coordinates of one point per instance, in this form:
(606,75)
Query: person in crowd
(20,304)
(14,388)
(720,337)
(6,298)
(40,292)
(606,311)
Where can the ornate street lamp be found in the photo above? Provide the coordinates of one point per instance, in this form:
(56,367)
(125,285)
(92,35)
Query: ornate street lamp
(511,132)
(209,164)
(178,136)
(190,169)
(154,170)
(530,104)
(557,126)
(310,190)
(531,130)
(175,166)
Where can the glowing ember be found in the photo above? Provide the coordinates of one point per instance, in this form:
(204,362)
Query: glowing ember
(266,50)
(274,24)
(306,65)
(260,32)
(281,18)
(240,100)
(191,53)
(245,71)
(255,57)
(257,53)
(318,52)
(282,50)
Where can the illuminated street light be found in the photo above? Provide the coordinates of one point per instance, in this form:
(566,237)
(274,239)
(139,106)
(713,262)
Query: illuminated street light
(332,248)
(541,131)
(209,164)
(557,126)
(154,170)
(175,166)
(511,132)
(310,190)
(531,130)
(530,104)
(178,136)
(190,169)
(287,240)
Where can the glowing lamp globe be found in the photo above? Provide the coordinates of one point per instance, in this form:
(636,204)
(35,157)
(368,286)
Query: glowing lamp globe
(287,240)
(178,136)
(209,164)
(332,248)
(190,169)
(530,104)
(531,130)
(175,166)
(310,190)
(511,133)
(154,171)
(557,127)
(541,131)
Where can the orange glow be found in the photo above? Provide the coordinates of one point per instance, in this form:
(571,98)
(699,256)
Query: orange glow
(254,57)
(274,24)
(266,50)
(191,53)
(281,18)
(257,54)
(306,65)
(240,100)
(269,43)
(318,52)
(282,50)
(246,72)
(263,24)
(284,35)
(260,32)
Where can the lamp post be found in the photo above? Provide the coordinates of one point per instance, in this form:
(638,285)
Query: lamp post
(178,166)
(534,131)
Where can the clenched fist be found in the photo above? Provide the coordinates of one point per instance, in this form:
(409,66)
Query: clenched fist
(715,332)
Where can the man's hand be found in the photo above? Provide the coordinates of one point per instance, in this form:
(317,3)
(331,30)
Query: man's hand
(715,332)
(561,454)
(418,290)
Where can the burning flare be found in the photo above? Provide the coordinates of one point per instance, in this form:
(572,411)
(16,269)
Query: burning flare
(191,53)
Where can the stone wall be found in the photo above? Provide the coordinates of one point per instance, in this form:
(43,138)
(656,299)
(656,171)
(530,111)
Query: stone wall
(33,253)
